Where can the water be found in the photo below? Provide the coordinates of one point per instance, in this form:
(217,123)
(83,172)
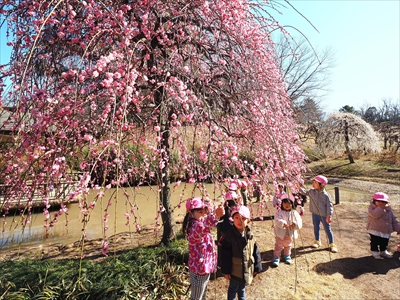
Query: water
(69,229)
(350,195)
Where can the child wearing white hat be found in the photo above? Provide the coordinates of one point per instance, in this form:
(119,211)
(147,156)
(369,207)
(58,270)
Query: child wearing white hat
(381,223)
(286,223)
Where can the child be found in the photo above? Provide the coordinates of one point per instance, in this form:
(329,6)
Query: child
(286,220)
(202,253)
(243,191)
(276,201)
(241,258)
(381,223)
(225,222)
(321,208)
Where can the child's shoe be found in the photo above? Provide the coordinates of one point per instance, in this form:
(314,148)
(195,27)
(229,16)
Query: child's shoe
(386,254)
(316,244)
(275,262)
(333,248)
(376,255)
(288,260)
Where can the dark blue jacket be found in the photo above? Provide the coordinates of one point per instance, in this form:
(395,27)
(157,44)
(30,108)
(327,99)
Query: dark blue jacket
(240,255)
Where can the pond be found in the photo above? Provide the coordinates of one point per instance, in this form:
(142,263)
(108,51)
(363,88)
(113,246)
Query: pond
(69,226)
(69,229)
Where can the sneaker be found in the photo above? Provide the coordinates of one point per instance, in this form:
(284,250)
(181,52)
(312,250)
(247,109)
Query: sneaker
(333,248)
(316,244)
(288,260)
(275,262)
(376,255)
(386,254)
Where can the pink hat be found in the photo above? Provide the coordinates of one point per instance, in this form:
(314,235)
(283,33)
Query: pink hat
(287,196)
(381,197)
(193,203)
(231,195)
(233,186)
(321,179)
(242,184)
(242,210)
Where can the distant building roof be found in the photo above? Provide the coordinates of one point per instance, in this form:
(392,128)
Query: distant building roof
(5,113)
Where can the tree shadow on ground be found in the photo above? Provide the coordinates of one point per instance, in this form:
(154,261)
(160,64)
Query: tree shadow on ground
(325,169)
(264,218)
(304,250)
(351,267)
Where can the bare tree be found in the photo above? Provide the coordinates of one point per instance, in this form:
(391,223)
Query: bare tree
(386,120)
(348,132)
(305,71)
(309,116)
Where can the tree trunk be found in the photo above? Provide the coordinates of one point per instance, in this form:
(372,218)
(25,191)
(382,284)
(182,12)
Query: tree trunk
(167,215)
(347,141)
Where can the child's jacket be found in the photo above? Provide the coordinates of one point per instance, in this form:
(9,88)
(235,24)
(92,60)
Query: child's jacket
(320,203)
(202,249)
(240,255)
(382,220)
(283,217)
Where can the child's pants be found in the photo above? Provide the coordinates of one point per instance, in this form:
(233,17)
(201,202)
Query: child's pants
(378,241)
(317,219)
(236,288)
(198,286)
(285,245)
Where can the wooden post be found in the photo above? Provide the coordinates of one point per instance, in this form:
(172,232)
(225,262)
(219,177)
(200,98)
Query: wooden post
(337,197)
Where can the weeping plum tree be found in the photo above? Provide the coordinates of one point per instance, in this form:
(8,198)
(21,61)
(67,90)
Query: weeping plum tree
(130,93)
(347,132)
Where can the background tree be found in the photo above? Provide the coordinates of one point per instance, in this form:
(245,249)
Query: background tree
(306,71)
(309,116)
(348,109)
(137,93)
(348,132)
(386,120)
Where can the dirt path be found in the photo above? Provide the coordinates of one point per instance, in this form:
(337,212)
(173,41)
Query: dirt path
(318,274)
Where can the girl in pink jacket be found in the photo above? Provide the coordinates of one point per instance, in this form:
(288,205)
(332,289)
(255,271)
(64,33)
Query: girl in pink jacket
(381,223)
(202,251)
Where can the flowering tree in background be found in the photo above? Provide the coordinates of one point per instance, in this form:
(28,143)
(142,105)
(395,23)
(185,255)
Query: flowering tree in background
(347,132)
(131,93)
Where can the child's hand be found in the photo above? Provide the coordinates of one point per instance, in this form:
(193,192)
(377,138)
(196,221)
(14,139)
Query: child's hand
(227,276)
(382,204)
(328,219)
(219,212)
(288,226)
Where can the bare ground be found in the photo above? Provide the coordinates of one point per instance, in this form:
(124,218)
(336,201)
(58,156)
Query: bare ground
(319,274)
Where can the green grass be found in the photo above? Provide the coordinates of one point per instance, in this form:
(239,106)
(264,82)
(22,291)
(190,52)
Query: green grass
(143,273)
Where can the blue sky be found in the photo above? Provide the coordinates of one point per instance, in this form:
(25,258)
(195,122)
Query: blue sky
(365,36)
